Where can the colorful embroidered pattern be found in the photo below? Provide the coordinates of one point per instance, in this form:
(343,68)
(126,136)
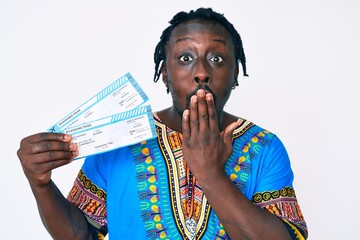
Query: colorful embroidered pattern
(283,203)
(190,207)
(91,200)
(151,178)
(188,202)
(239,166)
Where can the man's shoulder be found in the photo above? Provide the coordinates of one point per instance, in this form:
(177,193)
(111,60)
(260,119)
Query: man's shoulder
(250,131)
(246,125)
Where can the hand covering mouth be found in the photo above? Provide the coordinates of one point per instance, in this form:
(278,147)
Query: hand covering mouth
(205,88)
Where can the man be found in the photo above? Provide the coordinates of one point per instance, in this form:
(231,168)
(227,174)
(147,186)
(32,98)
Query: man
(208,174)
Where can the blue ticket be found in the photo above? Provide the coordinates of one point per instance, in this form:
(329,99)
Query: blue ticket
(114,131)
(122,95)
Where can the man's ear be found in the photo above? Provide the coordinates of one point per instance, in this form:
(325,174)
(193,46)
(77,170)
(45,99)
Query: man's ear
(236,72)
(165,77)
(236,75)
(164,74)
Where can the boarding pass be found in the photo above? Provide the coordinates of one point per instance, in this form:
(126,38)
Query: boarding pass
(114,131)
(122,95)
(115,117)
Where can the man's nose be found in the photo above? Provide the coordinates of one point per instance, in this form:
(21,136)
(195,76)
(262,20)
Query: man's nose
(202,73)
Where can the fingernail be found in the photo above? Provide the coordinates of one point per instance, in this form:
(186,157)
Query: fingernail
(72,146)
(194,99)
(201,92)
(75,153)
(67,137)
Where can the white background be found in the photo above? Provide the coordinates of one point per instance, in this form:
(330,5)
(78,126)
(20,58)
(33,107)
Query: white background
(303,62)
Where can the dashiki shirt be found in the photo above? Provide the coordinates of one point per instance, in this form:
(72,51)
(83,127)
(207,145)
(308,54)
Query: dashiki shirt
(146,191)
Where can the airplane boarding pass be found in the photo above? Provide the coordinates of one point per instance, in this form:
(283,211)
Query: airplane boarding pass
(114,131)
(122,95)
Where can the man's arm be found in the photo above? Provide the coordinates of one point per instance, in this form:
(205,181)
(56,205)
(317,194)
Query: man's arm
(206,153)
(61,218)
(39,154)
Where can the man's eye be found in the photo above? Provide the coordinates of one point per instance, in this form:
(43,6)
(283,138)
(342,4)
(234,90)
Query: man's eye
(185,58)
(217,59)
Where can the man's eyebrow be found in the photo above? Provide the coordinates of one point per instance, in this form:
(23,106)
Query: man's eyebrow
(183,39)
(220,41)
(223,41)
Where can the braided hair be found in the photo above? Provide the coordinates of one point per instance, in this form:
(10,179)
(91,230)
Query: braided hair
(202,14)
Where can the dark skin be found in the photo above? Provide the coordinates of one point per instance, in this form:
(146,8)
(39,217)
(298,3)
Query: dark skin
(39,154)
(199,55)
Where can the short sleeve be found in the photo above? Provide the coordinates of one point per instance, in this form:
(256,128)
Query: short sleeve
(89,194)
(274,188)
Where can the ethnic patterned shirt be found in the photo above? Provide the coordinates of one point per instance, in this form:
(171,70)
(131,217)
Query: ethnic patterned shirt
(147,191)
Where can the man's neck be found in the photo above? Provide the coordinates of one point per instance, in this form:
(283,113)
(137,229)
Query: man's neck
(171,118)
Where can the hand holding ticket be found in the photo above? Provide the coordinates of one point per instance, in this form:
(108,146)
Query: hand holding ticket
(111,119)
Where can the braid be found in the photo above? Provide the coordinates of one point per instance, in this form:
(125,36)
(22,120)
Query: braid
(202,14)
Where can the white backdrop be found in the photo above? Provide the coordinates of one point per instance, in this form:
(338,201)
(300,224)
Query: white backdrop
(303,62)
